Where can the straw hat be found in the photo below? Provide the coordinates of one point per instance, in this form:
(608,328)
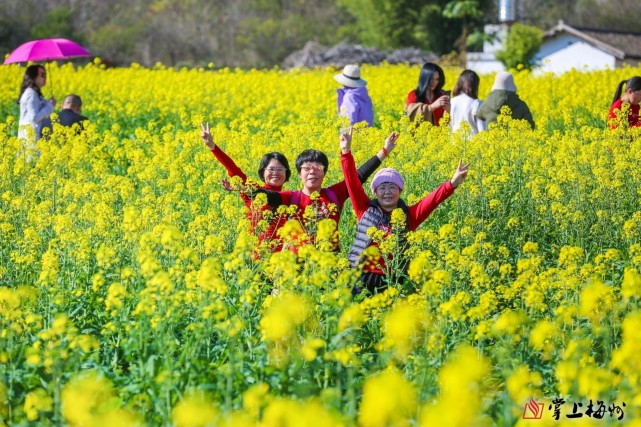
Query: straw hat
(350,77)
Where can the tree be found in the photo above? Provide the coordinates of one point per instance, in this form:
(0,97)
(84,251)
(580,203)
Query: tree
(386,24)
(56,23)
(466,10)
(522,44)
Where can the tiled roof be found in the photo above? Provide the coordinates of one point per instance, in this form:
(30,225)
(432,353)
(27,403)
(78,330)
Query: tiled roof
(623,45)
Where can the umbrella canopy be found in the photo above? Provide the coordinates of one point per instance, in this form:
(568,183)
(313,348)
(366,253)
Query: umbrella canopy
(46,50)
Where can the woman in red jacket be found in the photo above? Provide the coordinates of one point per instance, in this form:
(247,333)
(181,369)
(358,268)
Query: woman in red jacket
(273,171)
(387,186)
(428,100)
(632,97)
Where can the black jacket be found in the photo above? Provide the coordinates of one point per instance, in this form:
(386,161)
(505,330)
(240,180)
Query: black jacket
(68,117)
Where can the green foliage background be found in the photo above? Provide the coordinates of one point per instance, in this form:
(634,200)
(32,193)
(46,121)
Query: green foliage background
(261,33)
(522,44)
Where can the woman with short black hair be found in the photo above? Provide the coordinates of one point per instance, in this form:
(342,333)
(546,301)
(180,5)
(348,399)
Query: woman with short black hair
(273,171)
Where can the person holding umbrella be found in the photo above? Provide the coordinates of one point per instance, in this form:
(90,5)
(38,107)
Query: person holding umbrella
(34,108)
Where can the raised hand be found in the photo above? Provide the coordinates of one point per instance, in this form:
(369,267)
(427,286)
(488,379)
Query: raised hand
(390,142)
(205,134)
(346,140)
(460,174)
(226,184)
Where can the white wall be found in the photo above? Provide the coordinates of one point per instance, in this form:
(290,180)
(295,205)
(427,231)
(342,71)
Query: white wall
(484,63)
(566,52)
(557,55)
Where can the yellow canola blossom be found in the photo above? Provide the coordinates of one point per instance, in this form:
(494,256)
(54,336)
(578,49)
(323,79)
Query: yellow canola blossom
(461,379)
(121,250)
(196,409)
(89,399)
(381,408)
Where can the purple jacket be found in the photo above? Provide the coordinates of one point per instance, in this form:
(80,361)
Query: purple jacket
(355,104)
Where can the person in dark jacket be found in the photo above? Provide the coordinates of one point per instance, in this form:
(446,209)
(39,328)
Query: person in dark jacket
(504,93)
(70,113)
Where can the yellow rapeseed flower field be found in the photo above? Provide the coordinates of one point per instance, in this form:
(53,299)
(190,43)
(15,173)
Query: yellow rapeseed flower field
(131,291)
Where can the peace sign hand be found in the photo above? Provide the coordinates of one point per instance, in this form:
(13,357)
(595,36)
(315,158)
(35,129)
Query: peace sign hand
(205,134)
(460,174)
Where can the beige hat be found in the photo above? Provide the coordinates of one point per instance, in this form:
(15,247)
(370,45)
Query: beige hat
(504,81)
(351,76)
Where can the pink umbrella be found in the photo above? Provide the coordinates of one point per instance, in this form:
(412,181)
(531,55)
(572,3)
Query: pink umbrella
(46,50)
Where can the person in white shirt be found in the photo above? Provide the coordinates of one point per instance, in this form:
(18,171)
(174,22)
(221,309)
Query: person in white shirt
(465,103)
(34,108)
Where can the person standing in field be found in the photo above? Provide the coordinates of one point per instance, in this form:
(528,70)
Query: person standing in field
(353,99)
(387,186)
(504,93)
(428,100)
(34,108)
(630,101)
(466,102)
(70,113)
(273,170)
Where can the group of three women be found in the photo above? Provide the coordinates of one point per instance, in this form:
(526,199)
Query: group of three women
(327,202)
(430,102)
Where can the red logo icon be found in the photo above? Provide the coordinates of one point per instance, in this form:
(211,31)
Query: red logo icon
(533,410)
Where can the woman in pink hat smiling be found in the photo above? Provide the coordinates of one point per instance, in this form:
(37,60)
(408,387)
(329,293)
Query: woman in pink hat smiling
(387,186)
(353,100)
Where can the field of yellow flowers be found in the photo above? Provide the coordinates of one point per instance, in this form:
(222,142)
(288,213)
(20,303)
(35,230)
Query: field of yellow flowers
(130,294)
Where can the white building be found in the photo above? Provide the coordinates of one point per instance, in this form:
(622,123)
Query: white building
(564,48)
